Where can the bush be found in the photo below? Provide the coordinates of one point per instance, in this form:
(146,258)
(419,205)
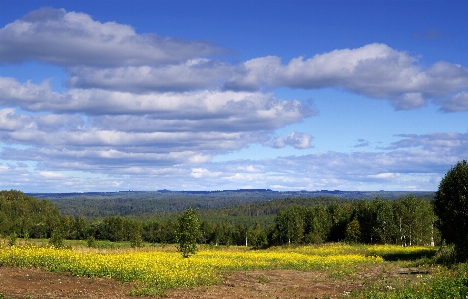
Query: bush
(56,238)
(136,240)
(91,242)
(12,239)
(446,255)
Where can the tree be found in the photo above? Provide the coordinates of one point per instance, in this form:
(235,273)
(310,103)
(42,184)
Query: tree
(353,232)
(56,238)
(256,236)
(451,206)
(290,224)
(187,232)
(339,216)
(20,213)
(384,229)
(317,224)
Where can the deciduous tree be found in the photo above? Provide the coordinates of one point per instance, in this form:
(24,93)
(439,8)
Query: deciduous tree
(187,233)
(451,206)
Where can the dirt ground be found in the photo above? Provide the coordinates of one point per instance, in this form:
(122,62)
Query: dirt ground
(269,284)
(35,283)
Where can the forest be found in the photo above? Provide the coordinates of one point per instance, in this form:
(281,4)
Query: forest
(408,220)
(153,204)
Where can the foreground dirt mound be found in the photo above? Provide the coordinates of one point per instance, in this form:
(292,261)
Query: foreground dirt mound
(35,283)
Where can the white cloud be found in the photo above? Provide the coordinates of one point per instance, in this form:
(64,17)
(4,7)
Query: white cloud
(187,105)
(188,75)
(204,173)
(156,128)
(295,139)
(249,169)
(458,102)
(374,70)
(409,101)
(385,176)
(130,127)
(140,105)
(52,175)
(392,169)
(71,38)
(448,143)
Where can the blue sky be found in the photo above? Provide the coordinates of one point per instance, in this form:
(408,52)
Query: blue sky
(208,95)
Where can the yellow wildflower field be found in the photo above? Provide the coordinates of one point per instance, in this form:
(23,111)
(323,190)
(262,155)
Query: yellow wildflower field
(168,269)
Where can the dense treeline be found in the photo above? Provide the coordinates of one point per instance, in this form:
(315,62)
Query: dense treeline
(407,221)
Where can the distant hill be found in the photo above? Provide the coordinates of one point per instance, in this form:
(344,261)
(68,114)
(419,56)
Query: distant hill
(152,203)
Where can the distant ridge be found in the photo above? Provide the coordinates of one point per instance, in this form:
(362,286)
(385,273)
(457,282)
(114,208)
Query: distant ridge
(124,203)
(338,193)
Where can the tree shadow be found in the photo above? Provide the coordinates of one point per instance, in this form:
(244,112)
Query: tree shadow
(408,256)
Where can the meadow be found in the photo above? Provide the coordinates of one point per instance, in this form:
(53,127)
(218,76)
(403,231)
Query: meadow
(381,271)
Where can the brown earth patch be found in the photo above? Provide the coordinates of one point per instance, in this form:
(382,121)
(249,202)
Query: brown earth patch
(21,283)
(270,284)
(35,283)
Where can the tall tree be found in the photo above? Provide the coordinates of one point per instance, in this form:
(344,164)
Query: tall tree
(385,228)
(317,224)
(451,206)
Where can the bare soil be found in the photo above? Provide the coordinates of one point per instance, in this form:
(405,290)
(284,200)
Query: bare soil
(35,283)
(270,284)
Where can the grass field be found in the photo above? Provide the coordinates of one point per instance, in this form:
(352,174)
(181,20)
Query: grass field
(156,269)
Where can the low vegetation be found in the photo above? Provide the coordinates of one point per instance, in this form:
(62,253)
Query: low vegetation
(156,269)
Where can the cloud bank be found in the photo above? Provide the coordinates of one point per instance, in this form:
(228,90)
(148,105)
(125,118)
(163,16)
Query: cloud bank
(146,105)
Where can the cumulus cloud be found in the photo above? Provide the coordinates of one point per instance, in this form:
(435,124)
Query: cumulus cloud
(187,105)
(102,127)
(374,70)
(113,56)
(452,143)
(456,103)
(72,38)
(295,139)
(189,75)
